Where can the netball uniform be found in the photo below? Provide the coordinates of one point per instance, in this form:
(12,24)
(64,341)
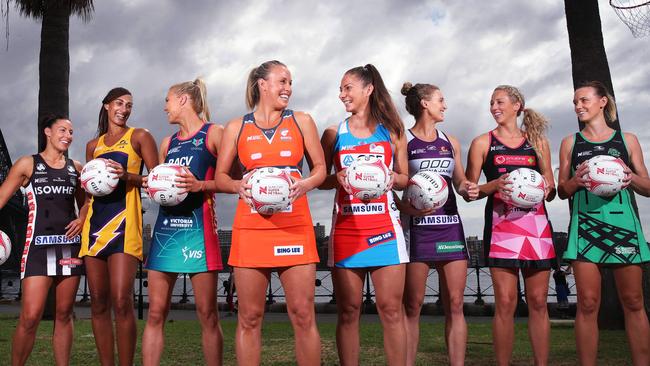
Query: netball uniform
(114,222)
(513,236)
(364,233)
(604,229)
(185,236)
(285,238)
(439,236)
(51,201)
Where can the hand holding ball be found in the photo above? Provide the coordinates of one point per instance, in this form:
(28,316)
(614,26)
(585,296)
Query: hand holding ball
(606,175)
(427,191)
(97,178)
(270,188)
(528,188)
(367,177)
(162,187)
(5,247)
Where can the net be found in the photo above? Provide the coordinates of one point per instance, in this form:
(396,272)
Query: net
(635,14)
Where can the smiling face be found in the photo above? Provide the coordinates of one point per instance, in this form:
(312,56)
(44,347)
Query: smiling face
(275,89)
(173,105)
(502,107)
(59,135)
(588,105)
(354,95)
(119,110)
(434,106)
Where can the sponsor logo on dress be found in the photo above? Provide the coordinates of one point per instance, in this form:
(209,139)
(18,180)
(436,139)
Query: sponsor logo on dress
(284,250)
(599,148)
(191,253)
(626,250)
(54,190)
(374,148)
(70,262)
(584,153)
(40,167)
(71,169)
(179,223)
(174,150)
(435,220)
(256,156)
(525,160)
(253,138)
(347,159)
(56,240)
(449,246)
(444,151)
(40,180)
(497,148)
(285,153)
(380,238)
(284,135)
(182,161)
(363,209)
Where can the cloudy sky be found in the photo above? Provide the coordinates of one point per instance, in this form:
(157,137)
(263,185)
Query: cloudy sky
(465,47)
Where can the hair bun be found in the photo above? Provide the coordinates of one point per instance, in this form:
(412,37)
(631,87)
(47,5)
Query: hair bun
(406,88)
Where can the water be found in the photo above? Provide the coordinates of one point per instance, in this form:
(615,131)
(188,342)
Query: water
(183,291)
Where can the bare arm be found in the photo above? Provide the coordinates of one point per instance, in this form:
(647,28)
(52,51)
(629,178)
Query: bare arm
(400,164)
(224,182)
(475,159)
(18,176)
(327,143)
(567,184)
(75,226)
(468,190)
(547,172)
(315,156)
(638,172)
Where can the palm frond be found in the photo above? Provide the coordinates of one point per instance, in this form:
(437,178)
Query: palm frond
(36,8)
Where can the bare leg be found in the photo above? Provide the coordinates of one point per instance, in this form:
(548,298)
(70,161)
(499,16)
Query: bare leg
(205,295)
(539,327)
(66,292)
(504,281)
(122,268)
(630,292)
(100,308)
(414,289)
(348,284)
(588,280)
(389,291)
(453,277)
(160,288)
(34,294)
(251,285)
(299,287)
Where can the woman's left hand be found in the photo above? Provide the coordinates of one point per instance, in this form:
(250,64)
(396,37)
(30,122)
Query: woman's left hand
(188,182)
(628,175)
(391,181)
(298,188)
(73,228)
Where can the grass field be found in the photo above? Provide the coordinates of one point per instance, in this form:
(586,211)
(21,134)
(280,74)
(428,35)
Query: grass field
(183,344)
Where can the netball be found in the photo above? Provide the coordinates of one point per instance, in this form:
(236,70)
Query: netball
(97,179)
(162,186)
(606,175)
(528,188)
(270,190)
(427,190)
(368,177)
(5,247)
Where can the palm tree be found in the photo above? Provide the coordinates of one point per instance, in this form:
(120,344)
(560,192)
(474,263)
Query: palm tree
(589,62)
(54,59)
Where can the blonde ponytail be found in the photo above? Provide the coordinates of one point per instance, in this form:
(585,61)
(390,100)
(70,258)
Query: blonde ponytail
(198,93)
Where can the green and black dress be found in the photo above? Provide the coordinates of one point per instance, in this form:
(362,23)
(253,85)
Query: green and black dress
(604,230)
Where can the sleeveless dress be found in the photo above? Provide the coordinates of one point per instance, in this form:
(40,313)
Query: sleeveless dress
(51,201)
(439,236)
(514,237)
(604,230)
(114,222)
(285,238)
(364,233)
(185,236)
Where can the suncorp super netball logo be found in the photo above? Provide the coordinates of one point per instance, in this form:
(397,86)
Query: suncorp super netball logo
(366,176)
(270,189)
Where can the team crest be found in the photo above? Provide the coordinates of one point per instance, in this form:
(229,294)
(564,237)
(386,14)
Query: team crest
(614,152)
(71,169)
(197,142)
(40,166)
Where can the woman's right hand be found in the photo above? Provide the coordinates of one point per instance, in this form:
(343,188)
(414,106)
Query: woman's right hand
(145,185)
(408,209)
(580,176)
(341,177)
(245,189)
(504,185)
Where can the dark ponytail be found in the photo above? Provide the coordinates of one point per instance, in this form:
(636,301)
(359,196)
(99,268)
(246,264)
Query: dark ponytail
(382,107)
(102,125)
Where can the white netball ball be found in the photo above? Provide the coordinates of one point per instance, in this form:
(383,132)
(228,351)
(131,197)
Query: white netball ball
(270,188)
(368,177)
(427,190)
(528,188)
(5,247)
(605,176)
(97,179)
(162,186)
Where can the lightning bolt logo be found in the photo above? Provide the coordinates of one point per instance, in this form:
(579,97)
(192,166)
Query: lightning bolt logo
(106,234)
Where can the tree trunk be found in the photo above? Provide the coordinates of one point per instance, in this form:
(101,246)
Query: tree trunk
(54,64)
(589,62)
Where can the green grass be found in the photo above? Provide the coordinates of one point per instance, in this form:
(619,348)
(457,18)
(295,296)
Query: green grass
(183,344)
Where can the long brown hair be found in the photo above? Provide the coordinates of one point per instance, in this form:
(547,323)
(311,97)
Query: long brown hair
(102,125)
(382,107)
(252,88)
(198,93)
(601,90)
(534,123)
